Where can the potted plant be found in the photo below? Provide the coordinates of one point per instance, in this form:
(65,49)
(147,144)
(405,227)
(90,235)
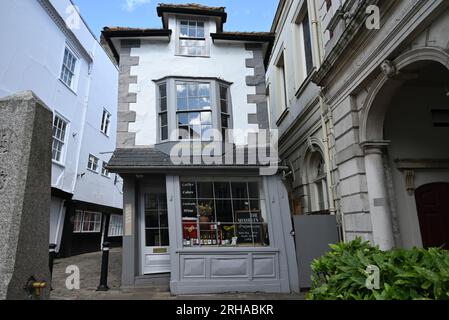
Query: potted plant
(205,213)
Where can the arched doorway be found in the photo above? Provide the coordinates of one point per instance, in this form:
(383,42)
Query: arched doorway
(405,133)
(432,201)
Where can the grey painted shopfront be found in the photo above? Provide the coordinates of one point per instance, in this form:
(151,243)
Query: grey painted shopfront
(245,246)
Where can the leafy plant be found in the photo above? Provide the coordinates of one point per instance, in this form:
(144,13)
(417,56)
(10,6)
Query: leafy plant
(417,274)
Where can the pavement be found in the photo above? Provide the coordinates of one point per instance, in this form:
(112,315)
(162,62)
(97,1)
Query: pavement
(90,267)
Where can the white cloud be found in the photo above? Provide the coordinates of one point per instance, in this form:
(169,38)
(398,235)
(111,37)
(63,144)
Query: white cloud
(131,5)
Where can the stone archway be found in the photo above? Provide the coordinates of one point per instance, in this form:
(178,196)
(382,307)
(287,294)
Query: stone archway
(385,145)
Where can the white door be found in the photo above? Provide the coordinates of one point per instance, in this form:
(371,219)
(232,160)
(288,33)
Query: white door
(154,231)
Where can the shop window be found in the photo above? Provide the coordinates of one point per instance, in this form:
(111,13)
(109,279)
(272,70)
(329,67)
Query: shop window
(87,222)
(223,214)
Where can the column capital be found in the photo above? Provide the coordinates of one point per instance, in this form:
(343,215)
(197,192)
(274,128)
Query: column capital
(374,147)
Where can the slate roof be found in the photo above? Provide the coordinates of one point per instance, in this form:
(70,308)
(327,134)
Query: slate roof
(193,6)
(151,158)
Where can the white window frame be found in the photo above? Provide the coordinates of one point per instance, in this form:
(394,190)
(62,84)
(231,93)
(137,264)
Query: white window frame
(105,172)
(180,37)
(282,83)
(106,122)
(78,226)
(74,83)
(64,142)
(115,226)
(96,162)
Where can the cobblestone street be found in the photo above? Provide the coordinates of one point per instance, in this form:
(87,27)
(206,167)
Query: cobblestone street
(90,264)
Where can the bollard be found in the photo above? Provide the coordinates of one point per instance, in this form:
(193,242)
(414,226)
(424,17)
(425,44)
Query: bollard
(104,268)
(51,256)
(51,260)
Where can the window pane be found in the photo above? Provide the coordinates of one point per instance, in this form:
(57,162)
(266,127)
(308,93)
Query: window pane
(188,208)
(224,122)
(223,93)
(207,133)
(224,211)
(204,90)
(165,241)
(206,118)
(181,90)
(182,104)
(164,119)
(241,205)
(183,118)
(195,132)
(193,90)
(205,190)
(163,104)
(164,133)
(239,190)
(152,238)
(222,190)
(204,103)
(188,190)
(194,118)
(253,188)
(224,106)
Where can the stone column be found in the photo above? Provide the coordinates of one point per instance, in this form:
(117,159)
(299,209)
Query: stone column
(378,195)
(130,247)
(25,193)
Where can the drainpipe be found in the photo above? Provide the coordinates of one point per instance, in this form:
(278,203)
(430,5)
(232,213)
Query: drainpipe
(83,119)
(327,159)
(315,30)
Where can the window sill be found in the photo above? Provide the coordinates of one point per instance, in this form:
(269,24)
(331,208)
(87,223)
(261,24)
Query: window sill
(93,171)
(65,85)
(191,56)
(305,83)
(59,164)
(105,134)
(282,116)
(109,177)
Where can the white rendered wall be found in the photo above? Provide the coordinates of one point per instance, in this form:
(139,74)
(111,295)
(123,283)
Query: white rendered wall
(158,60)
(32,60)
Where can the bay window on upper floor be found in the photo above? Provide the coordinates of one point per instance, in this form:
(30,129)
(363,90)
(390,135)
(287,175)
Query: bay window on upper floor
(193,109)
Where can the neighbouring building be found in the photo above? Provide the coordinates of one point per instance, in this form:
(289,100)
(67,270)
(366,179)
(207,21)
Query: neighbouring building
(51,51)
(363,115)
(208,227)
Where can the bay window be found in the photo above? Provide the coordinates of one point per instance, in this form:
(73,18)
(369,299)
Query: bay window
(194,112)
(87,222)
(192,108)
(223,213)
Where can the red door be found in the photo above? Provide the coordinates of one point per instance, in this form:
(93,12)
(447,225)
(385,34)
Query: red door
(432,201)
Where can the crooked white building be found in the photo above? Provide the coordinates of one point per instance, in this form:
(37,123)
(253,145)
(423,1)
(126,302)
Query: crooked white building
(51,51)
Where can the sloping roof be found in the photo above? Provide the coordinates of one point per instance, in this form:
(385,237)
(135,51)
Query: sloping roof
(151,158)
(194,9)
(192,6)
(245,36)
(109,33)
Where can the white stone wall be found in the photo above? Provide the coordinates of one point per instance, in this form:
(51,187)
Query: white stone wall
(157,60)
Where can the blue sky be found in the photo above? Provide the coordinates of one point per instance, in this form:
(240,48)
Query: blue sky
(243,15)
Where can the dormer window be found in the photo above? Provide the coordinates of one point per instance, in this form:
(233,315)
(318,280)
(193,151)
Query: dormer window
(192,38)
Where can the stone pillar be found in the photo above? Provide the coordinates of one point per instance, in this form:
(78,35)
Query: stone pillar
(378,195)
(130,239)
(25,194)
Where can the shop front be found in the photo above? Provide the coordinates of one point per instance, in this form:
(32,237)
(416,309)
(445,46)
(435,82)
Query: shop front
(212,233)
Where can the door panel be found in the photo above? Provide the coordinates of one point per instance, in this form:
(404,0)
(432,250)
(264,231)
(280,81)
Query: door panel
(432,202)
(155,235)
